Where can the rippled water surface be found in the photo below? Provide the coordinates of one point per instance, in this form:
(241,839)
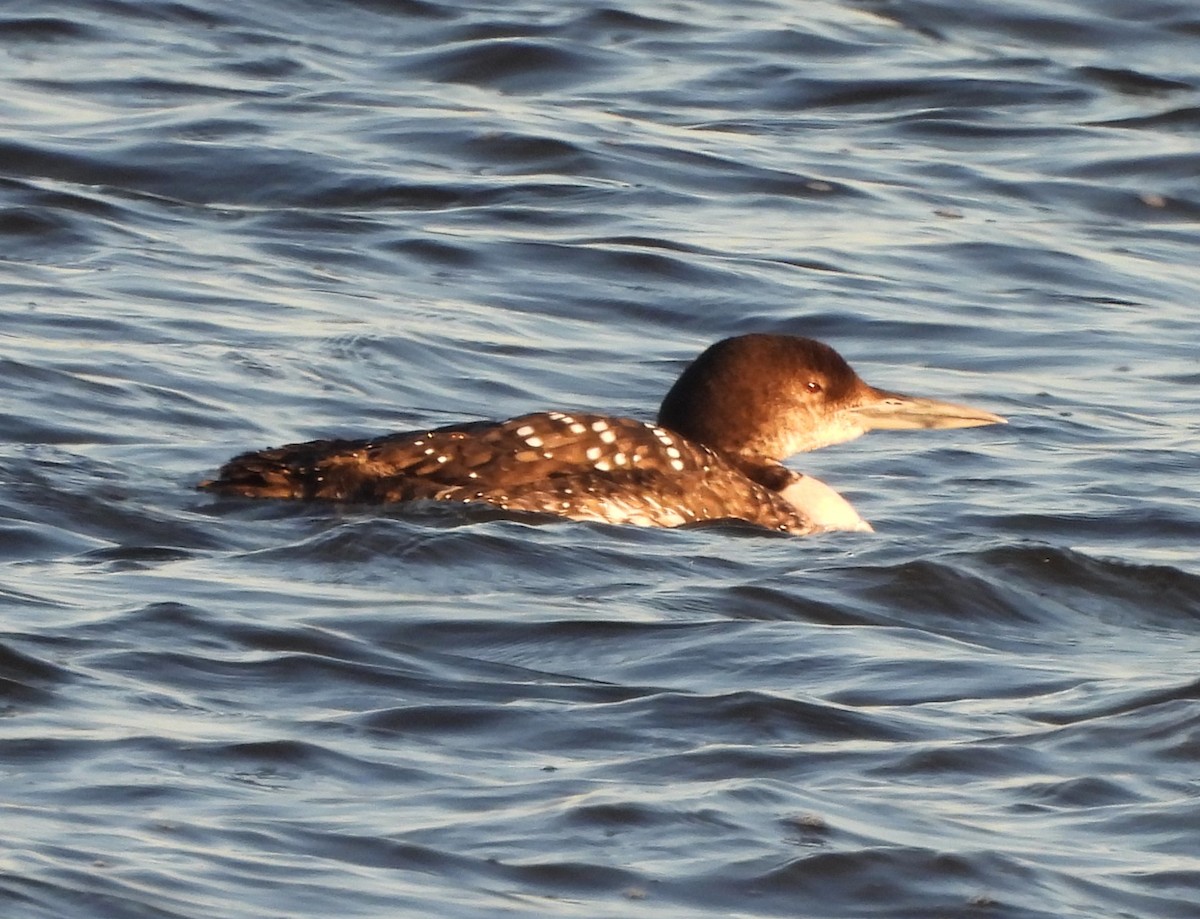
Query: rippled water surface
(228,225)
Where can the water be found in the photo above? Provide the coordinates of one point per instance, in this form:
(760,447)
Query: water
(228,226)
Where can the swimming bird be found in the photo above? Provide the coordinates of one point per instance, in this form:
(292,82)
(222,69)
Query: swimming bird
(714,453)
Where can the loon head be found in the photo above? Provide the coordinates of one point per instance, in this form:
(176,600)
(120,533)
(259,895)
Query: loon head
(777,395)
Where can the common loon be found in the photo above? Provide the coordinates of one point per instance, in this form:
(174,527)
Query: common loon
(741,407)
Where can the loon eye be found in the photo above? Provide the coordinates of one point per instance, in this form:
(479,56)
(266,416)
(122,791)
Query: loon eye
(813,386)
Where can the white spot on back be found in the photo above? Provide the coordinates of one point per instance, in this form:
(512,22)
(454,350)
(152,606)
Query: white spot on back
(608,436)
(593,453)
(577,428)
(525,431)
(533,441)
(600,425)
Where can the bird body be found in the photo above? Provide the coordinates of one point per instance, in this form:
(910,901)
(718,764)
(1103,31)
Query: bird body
(740,408)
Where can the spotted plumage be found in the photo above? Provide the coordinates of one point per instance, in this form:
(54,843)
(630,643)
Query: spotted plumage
(714,454)
(620,470)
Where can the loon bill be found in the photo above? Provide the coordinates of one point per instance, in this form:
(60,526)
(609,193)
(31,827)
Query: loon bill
(715,453)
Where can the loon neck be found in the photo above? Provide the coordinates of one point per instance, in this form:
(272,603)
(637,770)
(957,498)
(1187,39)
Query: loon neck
(815,500)
(761,469)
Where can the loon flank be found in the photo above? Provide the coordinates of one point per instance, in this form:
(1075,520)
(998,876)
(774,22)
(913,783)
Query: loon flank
(715,452)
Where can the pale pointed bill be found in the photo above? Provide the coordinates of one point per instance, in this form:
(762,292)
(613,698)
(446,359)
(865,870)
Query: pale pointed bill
(892,411)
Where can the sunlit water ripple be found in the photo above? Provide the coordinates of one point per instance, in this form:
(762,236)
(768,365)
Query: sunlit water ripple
(228,226)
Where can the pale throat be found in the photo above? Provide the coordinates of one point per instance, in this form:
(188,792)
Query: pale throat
(814,437)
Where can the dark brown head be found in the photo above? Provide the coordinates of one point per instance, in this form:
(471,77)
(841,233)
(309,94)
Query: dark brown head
(776,395)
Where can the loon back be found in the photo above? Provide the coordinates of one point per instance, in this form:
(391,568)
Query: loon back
(582,466)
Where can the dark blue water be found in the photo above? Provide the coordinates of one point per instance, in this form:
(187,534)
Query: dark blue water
(226,226)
